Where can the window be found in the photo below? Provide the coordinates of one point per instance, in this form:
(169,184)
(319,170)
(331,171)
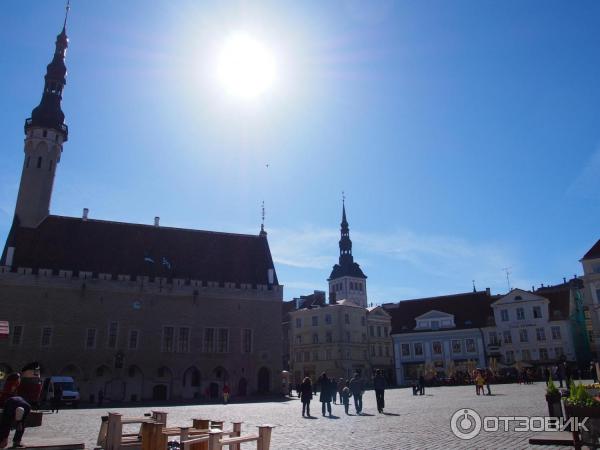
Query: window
(387,350)
(298,339)
(39,162)
(298,356)
(559,351)
(418,347)
(209,340)
(372,331)
(436,347)
(507,336)
(504,315)
(380,350)
(520,314)
(556,332)
(470,344)
(493,338)
(348,354)
(246,340)
(315,338)
(45,133)
(46,336)
(133,339)
(363,321)
(360,286)
(372,350)
(346,319)
(223,340)
(537,312)
(328,354)
(17,335)
(456,346)
(306,356)
(328,319)
(315,356)
(525,355)
(435,324)
(378,331)
(540,334)
(90,338)
(405,350)
(543,354)
(315,321)
(523,335)
(510,357)
(364,337)
(328,337)
(385,331)
(184,340)
(351,286)
(167,340)
(347,336)
(298,323)
(113,330)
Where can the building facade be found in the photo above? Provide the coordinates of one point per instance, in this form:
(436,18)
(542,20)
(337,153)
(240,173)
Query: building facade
(591,280)
(132,311)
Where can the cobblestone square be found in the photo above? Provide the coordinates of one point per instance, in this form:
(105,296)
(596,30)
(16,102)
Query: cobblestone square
(410,422)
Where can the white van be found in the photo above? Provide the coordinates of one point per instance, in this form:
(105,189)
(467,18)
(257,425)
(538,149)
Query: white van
(70,392)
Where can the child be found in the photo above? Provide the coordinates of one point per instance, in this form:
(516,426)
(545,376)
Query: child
(479,382)
(345,395)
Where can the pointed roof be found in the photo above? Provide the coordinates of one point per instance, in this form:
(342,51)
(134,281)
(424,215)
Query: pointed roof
(346,266)
(593,252)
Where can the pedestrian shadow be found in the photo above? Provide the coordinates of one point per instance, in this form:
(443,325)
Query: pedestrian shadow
(366,414)
(310,417)
(333,417)
(390,414)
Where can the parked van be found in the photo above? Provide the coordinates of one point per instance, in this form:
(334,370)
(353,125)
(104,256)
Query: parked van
(70,392)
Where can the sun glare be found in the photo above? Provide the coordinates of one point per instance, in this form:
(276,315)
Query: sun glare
(246,68)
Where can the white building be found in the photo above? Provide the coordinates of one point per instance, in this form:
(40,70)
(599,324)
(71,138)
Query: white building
(591,280)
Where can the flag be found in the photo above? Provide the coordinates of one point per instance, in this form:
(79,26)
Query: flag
(148,260)
(4,330)
(166,263)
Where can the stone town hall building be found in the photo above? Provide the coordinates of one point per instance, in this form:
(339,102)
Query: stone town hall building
(136,311)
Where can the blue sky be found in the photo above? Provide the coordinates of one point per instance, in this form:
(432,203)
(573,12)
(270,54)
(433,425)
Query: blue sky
(466,134)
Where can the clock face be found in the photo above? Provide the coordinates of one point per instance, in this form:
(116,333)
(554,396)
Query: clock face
(137,304)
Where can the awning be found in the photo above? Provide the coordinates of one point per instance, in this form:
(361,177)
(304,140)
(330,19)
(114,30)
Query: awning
(4,328)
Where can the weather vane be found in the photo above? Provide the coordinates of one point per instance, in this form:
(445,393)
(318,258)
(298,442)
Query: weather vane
(262,225)
(67,8)
(343,197)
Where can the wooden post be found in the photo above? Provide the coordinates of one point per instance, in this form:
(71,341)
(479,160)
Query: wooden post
(264,437)
(184,433)
(101,442)
(237,431)
(160,439)
(200,424)
(114,431)
(214,439)
(147,435)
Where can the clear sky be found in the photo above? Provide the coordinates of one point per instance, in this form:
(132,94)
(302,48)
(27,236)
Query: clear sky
(466,134)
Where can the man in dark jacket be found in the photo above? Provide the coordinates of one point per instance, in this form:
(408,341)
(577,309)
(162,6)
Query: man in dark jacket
(379,385)
(15,412)
(325,397)
(357,388)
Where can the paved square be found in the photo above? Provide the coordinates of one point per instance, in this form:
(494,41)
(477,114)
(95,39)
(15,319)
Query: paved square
(412,422)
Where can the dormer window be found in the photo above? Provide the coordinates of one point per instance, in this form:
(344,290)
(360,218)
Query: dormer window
(518,297)
(435,324)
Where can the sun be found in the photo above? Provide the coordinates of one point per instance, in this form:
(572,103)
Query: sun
(246,67)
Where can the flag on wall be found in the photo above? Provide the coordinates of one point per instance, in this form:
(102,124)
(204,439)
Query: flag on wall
(4,329)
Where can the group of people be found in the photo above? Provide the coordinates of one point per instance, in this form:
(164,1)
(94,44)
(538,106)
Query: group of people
(329,389)
(482,380)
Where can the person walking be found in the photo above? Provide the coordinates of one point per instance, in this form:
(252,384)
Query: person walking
(379,385)
(325,396)
(306,395)
(341,384)
(57,398)
(421,385)
(357,388)
(479,382)
(226,393)
(345,396)
(334,391)
(488,377)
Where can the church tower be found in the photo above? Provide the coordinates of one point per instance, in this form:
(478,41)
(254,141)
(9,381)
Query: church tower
(45,133)
(347,280)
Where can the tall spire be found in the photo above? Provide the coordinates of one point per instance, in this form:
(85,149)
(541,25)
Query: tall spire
(48,114)
(345,242)
(262,233)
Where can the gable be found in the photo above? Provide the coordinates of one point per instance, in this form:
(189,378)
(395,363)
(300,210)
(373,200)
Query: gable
(435,314)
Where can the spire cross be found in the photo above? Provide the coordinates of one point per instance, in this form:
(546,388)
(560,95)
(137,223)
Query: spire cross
(262,225)
(343,197)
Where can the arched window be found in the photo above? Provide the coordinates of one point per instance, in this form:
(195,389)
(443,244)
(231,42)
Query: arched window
(39,163)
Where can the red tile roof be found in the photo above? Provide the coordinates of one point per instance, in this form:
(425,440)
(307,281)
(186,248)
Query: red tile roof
(117,248)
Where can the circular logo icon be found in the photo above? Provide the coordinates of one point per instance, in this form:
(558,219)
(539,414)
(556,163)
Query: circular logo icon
(465,424)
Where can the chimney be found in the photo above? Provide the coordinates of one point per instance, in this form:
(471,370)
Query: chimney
(565,280)
(156,221)
(271,275)
(488,291)
(85,214)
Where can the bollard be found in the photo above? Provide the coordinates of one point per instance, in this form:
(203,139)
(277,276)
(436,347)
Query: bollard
(237,432)
(214,439)
(264,437)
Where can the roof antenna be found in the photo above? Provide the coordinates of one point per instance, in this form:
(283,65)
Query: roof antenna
(68,7)
(508,272)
